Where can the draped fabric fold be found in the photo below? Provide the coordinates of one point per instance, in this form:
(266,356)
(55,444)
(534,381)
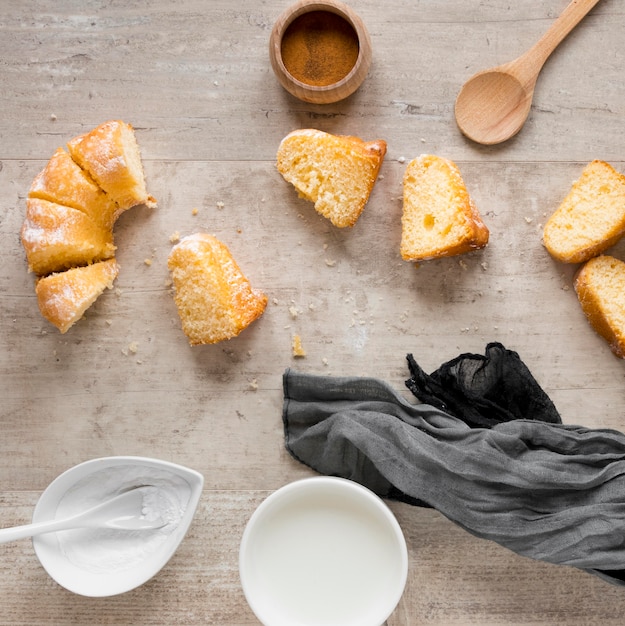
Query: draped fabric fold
(543,489)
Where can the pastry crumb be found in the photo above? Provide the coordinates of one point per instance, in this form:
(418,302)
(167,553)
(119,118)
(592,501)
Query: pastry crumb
(194,211)
(174,237)
(298,349)
(147,262)
(293,312)
(254,385)
(220,205)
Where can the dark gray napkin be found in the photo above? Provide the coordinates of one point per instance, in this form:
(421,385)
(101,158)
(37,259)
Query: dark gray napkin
(547,491)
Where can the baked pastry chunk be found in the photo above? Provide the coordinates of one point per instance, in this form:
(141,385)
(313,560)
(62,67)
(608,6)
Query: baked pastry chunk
(214,299)
(335,172)
(591,218)
(57,237)
(64,182)
(110,154)
(71,209)
(439,218)
(65,296)
(600,288)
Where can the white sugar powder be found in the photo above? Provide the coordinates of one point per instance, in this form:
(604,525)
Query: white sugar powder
(105,550)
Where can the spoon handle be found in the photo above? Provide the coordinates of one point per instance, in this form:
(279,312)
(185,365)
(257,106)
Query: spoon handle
(30,530)
(533,60)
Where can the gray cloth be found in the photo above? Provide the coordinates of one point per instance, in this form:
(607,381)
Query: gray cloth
(547,491)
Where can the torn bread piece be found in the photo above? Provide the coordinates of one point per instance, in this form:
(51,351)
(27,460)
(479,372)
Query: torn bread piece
(439,218)
(110,154)
(215,300)
(64,297)
(335,172)
(591,218)
(63,181)
(600,288)
(57,237)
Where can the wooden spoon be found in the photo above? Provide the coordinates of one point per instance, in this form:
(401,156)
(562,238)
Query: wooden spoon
(493,105)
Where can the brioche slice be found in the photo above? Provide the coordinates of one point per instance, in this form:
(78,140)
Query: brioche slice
(439,218)
(600,288)
(591,218)
(64,297)
(335,172)
(64,182)
(57,237)
(215,301)
(110,154)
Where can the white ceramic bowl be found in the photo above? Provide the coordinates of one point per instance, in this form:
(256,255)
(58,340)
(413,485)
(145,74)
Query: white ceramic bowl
(107,562)
(323,551)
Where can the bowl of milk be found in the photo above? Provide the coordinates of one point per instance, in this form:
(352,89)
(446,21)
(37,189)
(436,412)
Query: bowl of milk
(323,551)
(100,562)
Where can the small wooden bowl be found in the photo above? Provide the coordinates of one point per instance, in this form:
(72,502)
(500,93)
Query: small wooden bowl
(315,93)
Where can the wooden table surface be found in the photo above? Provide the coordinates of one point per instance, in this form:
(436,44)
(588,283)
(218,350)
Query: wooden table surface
(193,77)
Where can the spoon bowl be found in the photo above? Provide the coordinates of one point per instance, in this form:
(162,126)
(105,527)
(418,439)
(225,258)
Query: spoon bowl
(493,105)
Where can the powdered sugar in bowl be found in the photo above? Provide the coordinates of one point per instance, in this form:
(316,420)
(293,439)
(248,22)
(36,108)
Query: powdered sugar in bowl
(105,562)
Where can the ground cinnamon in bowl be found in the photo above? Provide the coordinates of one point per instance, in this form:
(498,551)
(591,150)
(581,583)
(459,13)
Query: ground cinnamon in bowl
(319,48)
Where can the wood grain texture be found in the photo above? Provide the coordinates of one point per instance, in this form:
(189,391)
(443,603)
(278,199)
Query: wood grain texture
(195,81)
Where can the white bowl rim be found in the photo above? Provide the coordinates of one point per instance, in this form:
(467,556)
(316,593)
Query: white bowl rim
(333,482)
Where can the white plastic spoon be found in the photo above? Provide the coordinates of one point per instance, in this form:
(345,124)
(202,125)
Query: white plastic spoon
(124,512)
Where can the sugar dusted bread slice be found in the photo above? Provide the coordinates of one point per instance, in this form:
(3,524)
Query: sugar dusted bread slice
(65,296)
(57,237)
(64,182)
(591,218)
(110,154)
(439,218)
(335,172)
(215,300)
(600,288)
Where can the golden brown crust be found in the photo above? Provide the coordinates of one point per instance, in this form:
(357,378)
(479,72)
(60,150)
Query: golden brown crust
(591,218)
(600,288)
(71,209)
(111,156)
(56,237)
(214,299)
(439,218)
(64,182)
(335,172)
(64,297)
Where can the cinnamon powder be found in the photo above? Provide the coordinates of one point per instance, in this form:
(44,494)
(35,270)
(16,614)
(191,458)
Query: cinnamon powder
(319,48)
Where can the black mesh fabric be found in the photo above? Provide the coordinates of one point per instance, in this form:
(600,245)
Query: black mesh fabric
(483,390)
